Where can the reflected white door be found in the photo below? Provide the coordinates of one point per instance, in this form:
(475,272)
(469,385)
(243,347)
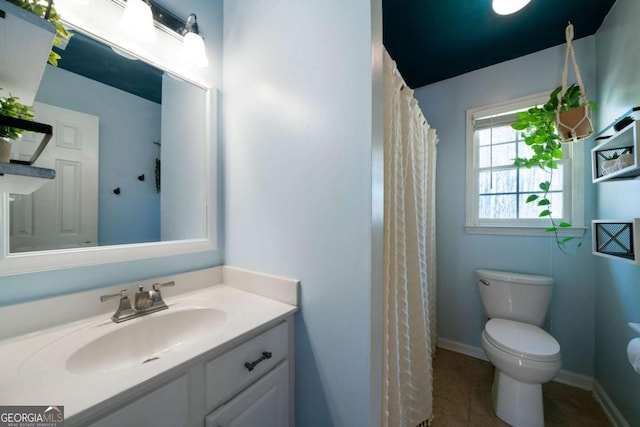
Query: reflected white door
(63,213)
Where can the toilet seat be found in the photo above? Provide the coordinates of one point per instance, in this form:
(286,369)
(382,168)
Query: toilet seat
(522,340)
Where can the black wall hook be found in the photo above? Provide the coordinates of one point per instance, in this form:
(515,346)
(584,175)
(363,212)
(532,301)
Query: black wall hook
(116,191)
(141,177)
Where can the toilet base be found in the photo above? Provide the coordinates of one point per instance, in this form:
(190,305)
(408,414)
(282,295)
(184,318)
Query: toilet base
(516,403)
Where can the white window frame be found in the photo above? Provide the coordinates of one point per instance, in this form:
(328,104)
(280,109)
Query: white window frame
(573,185)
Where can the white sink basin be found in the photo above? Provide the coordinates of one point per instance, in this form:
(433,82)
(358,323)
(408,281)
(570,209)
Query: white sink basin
(145,340)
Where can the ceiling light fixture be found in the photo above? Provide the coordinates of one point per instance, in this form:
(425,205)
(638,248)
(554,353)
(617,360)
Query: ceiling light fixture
(193,50)
(137,21)
(507,7)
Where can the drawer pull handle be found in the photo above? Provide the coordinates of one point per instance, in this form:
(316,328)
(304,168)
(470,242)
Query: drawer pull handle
(251,365)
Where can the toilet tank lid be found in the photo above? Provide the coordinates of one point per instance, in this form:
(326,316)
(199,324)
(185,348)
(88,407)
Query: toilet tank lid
(530,279)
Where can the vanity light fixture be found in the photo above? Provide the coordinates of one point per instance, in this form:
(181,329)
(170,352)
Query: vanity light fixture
(193,49)
(507,7)
(142,16)
(137,20)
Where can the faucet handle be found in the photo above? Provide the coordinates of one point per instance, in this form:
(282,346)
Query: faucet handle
(122,295)
(124,310)
(157,286)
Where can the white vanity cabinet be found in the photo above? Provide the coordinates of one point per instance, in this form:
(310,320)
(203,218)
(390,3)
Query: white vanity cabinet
(245,384)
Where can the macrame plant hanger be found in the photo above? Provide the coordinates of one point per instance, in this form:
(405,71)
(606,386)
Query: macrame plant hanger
(574,124)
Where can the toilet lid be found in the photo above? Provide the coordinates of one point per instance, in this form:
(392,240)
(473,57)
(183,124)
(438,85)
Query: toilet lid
(522,340)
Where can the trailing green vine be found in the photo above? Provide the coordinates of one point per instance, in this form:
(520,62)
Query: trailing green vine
(538,126)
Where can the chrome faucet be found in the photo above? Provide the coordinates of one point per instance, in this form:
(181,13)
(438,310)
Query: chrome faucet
(146,302)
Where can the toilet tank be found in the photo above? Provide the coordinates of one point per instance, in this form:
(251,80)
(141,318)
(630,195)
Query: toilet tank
(515,296)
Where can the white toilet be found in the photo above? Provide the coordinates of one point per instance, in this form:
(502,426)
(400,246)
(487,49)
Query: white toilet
(524,355)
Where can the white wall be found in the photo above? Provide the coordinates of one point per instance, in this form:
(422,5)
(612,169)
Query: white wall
(298,184)
(618,283)
(460,314)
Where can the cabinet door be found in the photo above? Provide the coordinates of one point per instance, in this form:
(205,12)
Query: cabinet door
(264,404)
(166,406)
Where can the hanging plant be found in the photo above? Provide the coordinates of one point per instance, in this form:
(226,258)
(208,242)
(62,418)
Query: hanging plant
(574,115)
(565,117)
(44,9)
(538,127)
(573,118)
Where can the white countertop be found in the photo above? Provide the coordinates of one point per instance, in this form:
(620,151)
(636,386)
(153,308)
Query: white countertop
(33,366)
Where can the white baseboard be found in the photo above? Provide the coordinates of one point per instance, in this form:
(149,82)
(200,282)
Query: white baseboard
(461,348)
(609,408)
(564,377)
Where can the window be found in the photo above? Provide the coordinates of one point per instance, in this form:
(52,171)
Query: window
(497,190)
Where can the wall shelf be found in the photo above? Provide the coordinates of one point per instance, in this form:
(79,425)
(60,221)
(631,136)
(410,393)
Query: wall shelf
(617,155)
(21,69)
(44,129)
(23,179)
(616,239)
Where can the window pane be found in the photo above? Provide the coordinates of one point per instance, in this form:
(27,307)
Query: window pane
(532,210)
(484,137)
(530,179)
(503,206)
(503,155)
(503,181)
(504,134)
(524,150)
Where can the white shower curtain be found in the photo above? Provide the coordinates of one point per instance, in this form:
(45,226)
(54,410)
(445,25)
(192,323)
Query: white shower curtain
(409,255)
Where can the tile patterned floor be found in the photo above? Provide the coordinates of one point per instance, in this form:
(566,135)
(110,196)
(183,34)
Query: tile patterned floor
(462,397)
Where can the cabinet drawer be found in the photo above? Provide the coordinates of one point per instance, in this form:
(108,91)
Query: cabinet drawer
(227,374)
(264,404)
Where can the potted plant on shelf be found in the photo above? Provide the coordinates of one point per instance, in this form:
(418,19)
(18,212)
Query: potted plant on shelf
(538,126)
(47,11)
(9,106)
(615,161)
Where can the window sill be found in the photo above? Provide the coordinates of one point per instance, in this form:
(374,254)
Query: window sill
(523,231)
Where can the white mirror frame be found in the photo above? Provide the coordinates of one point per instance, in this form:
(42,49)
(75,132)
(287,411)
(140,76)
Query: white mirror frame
(30,262)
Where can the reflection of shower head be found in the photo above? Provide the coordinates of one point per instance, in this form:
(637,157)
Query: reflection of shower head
(157,175)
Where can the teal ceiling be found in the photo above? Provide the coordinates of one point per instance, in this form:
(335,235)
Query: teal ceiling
(432,40)
(97,61)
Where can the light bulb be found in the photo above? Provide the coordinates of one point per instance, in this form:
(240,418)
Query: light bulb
(507,7)
(137,21)
(193,50)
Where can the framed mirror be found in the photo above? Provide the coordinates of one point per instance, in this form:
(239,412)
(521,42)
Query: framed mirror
(134,152)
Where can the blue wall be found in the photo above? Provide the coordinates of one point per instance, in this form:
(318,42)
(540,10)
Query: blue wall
(460,313)
(298,184)
(618,283)
(128,126)
(26,287)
